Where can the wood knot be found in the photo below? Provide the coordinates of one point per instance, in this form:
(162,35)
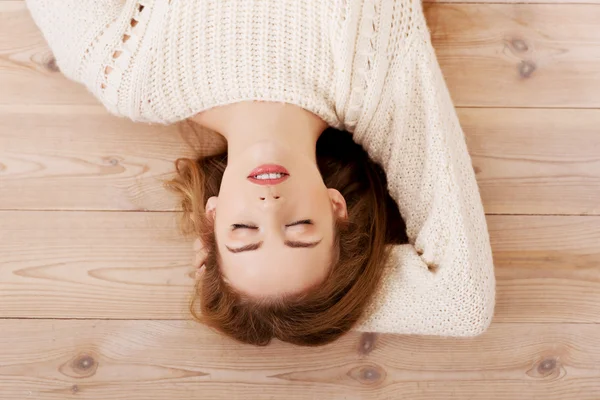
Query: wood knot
(112,161)
(547,368)
(74,389)
(519,45)
(51,65)
(368,374)
(477,170)
(84,363)
(81,366)
(526,68)
(367,343)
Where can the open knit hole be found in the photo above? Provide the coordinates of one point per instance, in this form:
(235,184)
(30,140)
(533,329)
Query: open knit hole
(108,69)
(432,268)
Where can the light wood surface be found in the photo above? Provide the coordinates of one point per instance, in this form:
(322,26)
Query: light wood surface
(518,173)
(527,161)
(136,266)
(155,360)
(28,70)
(95,278)
(524,55)
(518,55)
(535,161)
(82,158)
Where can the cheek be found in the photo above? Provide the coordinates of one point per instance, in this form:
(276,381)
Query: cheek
(320,203)
(233,197)
(315,194)
(232,182)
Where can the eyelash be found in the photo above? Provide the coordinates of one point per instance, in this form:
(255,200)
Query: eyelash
(244,226)
(302,222)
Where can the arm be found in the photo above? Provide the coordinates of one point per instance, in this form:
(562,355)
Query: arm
(443,282)
(103,44)
(72,28)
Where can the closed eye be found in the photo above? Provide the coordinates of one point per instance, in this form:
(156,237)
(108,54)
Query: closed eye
(301,222)
(242,226)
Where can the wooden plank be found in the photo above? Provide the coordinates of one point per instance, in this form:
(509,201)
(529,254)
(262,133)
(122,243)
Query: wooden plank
(148,360)
(83,158)
(523,55)
(93,264)
(547,268)
(535,161)
(28,72)
(137,266)
(527,161)
(518,55)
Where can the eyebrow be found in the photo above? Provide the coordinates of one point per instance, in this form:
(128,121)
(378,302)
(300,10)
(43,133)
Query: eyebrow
(301,245)
(288,243)
(250,247)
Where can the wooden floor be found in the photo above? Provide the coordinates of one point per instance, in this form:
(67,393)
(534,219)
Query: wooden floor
(95,279)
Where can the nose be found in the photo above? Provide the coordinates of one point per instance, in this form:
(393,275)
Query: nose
(272,195)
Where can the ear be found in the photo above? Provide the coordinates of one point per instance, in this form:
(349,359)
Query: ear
(339,204)
(211,208)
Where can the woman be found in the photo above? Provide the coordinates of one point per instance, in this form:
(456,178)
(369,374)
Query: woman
(296,254)
(271,75)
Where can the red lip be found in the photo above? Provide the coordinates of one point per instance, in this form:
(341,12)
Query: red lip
(268,169)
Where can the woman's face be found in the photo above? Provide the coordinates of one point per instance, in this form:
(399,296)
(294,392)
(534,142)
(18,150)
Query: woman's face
(275,236)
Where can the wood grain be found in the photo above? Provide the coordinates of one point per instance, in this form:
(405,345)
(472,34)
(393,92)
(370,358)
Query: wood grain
(93,264)
(156,360)
(524,55)
(55,157)
(81,158)
(137,266)
(102,275)
(532,161)
(521,55)
(28,72)
(547,268)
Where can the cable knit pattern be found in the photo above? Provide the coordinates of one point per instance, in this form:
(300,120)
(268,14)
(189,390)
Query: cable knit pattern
(366,66)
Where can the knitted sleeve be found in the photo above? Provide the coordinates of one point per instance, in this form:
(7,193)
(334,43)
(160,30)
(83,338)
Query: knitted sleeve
(94,40)
(443,282)
(72,28)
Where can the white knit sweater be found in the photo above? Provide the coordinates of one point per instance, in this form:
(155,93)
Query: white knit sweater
(366,66)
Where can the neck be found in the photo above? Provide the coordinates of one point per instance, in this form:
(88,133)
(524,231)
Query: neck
(248,123)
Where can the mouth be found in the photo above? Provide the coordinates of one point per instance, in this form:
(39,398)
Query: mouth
(268,175)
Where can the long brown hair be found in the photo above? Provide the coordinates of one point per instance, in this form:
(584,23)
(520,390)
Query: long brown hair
(325,312)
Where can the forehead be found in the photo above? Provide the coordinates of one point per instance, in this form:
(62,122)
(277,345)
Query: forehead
(276,269)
